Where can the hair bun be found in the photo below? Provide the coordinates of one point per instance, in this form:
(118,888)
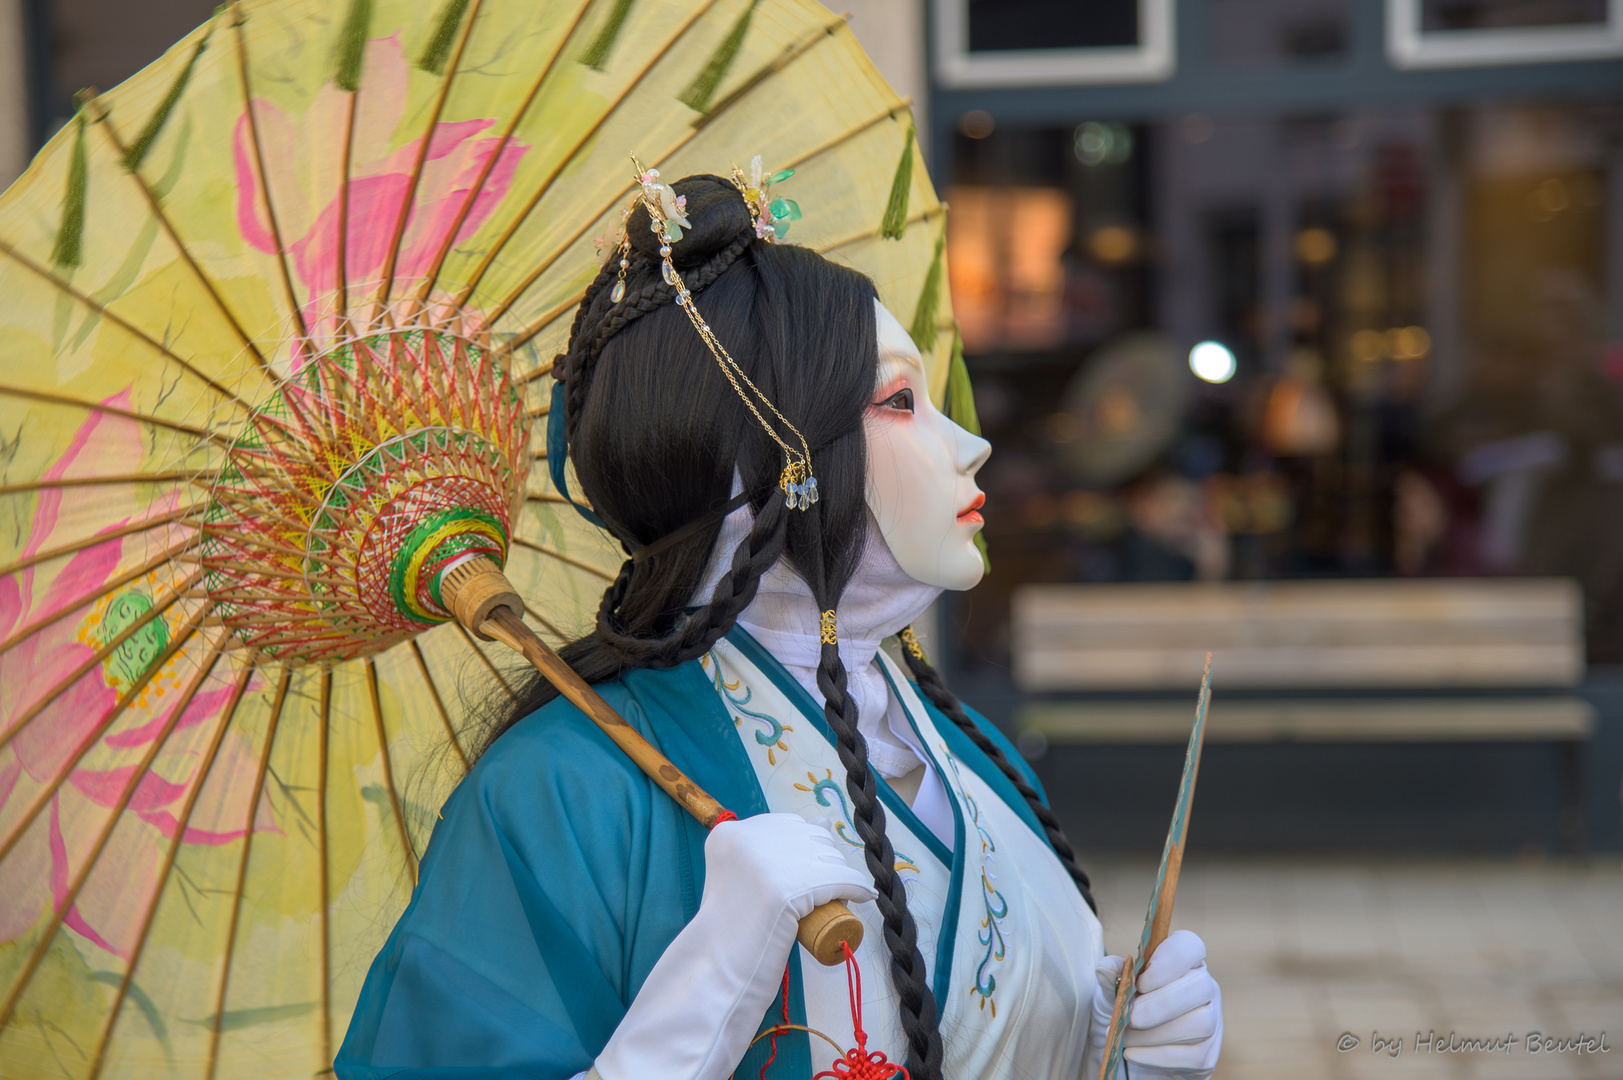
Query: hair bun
(718,214)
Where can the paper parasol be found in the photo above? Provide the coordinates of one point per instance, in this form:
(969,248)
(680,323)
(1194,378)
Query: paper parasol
(276,318)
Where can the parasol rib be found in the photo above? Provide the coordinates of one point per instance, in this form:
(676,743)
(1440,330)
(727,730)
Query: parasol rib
(101,729)
(382,298)
(242,870)
(184,819)
(326,887)
(65,903)
(341,227)
(264,178)
(546,623)
(586,137)
(97,657)
(105,589)
(873,234)
(109,478)
(203,279)
(439,704)
(102,310)
(407,852)
(524,336)
(578,564)
(478,185)
(490,665)
(791,52)
(48,398)
(47,554)
(543,497)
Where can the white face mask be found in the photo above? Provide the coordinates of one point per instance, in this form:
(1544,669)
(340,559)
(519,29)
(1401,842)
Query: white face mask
(921,470)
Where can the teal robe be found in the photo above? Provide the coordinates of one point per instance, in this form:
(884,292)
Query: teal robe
(554,881)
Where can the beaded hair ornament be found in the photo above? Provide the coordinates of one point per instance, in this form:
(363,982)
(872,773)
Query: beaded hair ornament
(771,217)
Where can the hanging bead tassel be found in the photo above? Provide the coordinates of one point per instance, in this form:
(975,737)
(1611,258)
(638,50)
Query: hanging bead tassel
(859,1063)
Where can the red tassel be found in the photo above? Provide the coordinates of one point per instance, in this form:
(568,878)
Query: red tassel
(859,1063)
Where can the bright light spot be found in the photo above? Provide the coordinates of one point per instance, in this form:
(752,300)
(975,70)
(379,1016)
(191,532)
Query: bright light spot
(1213,362)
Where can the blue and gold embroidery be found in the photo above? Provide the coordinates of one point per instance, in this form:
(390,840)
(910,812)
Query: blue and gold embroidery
(771,734)
(994,902)
(821,790)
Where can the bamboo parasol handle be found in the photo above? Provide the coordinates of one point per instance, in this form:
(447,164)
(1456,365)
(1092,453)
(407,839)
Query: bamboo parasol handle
(483,600)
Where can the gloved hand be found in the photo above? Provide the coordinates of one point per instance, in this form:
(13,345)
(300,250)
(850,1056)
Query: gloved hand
(1175,1025)
(695,1015)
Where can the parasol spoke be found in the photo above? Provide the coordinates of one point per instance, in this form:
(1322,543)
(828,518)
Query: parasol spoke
(242,869)
(323,912)
(101,654)
(123,703)
(47,398)
(553,553)
(106,124)
(341,225)
(107,588)
(563,308)
(415,177)
(873,233)
(407,852)
(536,496)
(263,178)
(546,624)
(180,513)
(791,52)
(107,480)
(65,902)
(563,161)
(490,665)
(439,704)
(123,324)
(210,756)
(478,185)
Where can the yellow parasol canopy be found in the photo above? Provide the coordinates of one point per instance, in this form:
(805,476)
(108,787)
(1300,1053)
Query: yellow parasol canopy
(310,265)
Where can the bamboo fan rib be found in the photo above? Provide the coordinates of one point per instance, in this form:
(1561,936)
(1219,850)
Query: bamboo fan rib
(300,315)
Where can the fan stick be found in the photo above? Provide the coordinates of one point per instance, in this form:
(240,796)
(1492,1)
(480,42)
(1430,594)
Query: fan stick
(483,601)
(1158,920)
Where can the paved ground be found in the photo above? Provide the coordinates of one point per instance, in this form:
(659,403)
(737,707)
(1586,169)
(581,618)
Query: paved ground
(1307,950)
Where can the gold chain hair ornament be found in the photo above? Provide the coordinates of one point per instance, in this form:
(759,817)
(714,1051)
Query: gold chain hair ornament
(771,216)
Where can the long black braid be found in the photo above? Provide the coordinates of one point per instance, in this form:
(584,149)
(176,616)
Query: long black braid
(930,683)
(918,1009)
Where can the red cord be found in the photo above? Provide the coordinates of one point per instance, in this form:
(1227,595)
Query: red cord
(725,815)
(774,1056)
(858,1063)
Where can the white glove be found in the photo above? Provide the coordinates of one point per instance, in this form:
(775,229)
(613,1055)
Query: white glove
(695,1015)
(1175,1026)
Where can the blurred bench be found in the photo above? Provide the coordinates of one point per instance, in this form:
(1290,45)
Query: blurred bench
(1309,661)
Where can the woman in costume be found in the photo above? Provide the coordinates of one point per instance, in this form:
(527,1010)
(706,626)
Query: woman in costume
(570,919)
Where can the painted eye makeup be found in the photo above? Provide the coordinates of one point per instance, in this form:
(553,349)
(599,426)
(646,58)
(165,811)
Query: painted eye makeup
(901,400)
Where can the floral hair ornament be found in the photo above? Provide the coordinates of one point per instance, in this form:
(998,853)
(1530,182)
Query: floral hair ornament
(666,220)
(772,216)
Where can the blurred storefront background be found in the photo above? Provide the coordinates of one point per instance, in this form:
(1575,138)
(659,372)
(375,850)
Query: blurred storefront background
(1315,308)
